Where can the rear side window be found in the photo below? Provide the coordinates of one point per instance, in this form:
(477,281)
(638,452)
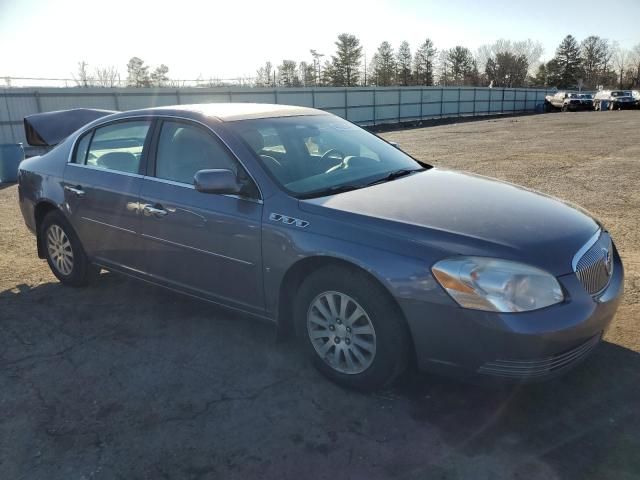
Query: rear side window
(82,148)
(117,146)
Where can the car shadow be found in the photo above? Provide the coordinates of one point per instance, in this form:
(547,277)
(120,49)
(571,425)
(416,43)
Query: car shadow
(153,360)
(578,422)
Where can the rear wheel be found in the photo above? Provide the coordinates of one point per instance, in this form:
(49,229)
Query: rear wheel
(351,329)
(64,252)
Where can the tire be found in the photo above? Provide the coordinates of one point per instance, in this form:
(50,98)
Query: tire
(565,108)
(611,107)
(375,339)
(64,253)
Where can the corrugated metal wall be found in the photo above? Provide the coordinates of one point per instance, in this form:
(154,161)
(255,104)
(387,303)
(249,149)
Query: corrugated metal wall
(362,105)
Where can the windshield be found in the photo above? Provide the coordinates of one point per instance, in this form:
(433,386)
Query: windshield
(318,155)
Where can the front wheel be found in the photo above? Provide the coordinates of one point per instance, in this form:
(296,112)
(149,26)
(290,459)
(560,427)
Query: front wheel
(64,252)
(351,329)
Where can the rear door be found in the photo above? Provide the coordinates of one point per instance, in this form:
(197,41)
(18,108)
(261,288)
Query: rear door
(207,243)
(102,185)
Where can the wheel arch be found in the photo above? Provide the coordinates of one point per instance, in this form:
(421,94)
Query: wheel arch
(301,269)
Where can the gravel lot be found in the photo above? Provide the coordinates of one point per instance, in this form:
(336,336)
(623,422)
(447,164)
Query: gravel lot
(124,380)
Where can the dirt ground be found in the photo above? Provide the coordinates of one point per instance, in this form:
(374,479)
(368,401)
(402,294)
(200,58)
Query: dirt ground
(124,380)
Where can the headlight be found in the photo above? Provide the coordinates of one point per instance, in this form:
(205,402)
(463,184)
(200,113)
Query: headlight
(496,285)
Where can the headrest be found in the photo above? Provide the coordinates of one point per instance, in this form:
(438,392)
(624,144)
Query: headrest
(121,161)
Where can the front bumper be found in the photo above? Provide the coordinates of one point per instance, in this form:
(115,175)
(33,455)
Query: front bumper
(623,105)
(519,346)
(574,107)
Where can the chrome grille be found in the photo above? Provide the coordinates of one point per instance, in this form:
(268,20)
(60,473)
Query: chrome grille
(595,266)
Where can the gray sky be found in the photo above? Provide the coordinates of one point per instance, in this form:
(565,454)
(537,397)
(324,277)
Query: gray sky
(225,39)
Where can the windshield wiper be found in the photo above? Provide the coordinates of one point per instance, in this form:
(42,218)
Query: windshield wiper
(331,191)
(396,174)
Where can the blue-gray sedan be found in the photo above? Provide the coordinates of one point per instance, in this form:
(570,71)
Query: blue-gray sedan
(299,217)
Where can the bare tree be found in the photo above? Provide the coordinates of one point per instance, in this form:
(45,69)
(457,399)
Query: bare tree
(82,77)
(633,67)
(107,77)
(620,59)
(528,49)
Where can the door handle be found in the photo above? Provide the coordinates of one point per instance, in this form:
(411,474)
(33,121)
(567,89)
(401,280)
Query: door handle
(77,191)
(148,210)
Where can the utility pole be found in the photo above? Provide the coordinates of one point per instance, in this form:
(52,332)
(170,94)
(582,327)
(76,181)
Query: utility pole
(365,69)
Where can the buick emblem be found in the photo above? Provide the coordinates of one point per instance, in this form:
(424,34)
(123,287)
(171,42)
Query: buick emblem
(607,260)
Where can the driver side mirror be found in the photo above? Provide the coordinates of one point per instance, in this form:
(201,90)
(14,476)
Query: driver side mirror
(395,144)
(220,181)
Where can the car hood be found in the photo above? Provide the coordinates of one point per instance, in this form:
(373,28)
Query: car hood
(467,214)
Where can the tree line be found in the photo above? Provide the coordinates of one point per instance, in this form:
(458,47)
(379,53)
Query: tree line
(138,75)
(592,63)
(595,62)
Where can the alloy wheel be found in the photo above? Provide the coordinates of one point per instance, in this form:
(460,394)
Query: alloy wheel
(341,332)
(59,249)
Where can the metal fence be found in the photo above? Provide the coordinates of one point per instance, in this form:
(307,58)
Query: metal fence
(362,105)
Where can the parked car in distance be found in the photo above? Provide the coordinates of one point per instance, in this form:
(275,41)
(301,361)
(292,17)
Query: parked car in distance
(614,100)
(569,101)
(299,217)
(636,97)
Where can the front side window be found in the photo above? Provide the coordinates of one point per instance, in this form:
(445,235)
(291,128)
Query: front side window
(318,154)
(116,147)
(184,149)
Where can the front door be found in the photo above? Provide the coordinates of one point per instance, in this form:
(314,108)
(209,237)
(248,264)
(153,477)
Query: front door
(207,243)
(102,184)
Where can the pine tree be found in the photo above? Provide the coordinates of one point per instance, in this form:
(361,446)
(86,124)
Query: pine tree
(423,63)
(540,80)
(159,77)
(346,62)
(288,74)
(404,63)
(384,65)
(567,63)
(462,67)
(138,73)
(507,70)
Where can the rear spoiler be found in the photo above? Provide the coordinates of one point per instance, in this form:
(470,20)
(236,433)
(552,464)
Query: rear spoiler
(49,129)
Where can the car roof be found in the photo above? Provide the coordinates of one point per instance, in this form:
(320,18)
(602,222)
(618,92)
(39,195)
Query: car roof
(229,112)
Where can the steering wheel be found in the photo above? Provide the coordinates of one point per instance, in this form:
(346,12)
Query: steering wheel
(271,161)
(331,152)
(351,161)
